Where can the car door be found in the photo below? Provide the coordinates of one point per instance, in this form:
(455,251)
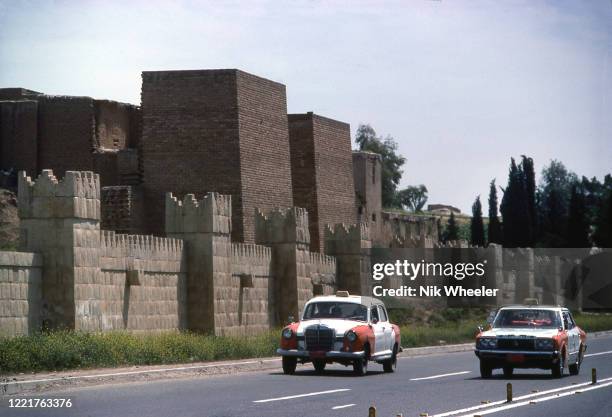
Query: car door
(573,338)
(387,328)
(378,329)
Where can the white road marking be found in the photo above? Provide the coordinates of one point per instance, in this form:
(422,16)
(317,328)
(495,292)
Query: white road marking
(520,398)
(310,394)
(598,353)
(440,376)
(338,407)
(146,371)
(539,400)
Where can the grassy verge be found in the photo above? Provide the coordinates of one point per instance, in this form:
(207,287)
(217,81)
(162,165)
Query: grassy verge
(74,350)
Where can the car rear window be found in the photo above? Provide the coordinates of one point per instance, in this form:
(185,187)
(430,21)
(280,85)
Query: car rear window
(527,318)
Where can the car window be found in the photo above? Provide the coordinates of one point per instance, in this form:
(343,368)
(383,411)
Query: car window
(374,314)
(527,318)
(567,321)
(335,310)
(382,313)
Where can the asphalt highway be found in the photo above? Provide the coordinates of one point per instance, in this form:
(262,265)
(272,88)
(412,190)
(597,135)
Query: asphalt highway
(445,385)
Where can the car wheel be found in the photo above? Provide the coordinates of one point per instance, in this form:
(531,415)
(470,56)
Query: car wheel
(289,365)
(508,371)
(485,370)
(557,368)
(391,364)
(575,368)
(360,366)
(319,366)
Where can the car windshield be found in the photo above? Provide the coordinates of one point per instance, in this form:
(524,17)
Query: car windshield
(527,318)
(336,310)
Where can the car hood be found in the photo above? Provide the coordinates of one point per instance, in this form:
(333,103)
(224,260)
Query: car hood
(341,326)
(514,332)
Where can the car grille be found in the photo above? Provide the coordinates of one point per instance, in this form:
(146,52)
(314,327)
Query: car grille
(516,344)
(319,338)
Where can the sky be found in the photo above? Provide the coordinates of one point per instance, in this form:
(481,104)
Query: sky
(462,86)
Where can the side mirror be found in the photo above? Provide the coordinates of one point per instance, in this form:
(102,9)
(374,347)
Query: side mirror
(480,328)
(291,319)
(374,320)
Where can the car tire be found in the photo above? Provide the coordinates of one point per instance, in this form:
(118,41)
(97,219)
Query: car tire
(360,367)
(508,371)
(390,365)
(559,367)
(289,365)
(575,368)
(319,366)
(485,370)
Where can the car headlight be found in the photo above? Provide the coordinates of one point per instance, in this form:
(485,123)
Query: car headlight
(351,336)
(487,342)
(287,333)
(545,344)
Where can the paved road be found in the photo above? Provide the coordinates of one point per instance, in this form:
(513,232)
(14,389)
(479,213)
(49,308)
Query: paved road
(445,385)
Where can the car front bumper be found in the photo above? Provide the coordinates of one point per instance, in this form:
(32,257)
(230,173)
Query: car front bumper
(518,358)
(334,354)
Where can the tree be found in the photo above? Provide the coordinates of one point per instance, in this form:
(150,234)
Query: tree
(515,210)
(414,197)
(578,225)
(555,192)
(477,233)
(603,226)
(530,190)
(452,230)
(367,140)
(495,232)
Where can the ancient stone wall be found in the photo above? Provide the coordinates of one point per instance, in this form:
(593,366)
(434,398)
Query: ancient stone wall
(20,292)
(251,264)
(18,135)
(122,208)
(350,245)
(322,172)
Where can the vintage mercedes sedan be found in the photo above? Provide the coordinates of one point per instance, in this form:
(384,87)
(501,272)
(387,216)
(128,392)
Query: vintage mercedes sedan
(345,329)
(526,336)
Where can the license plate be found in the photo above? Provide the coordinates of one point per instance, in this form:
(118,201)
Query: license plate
(516,358)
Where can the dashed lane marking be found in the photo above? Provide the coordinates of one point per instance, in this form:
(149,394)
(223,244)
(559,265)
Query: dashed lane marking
(310,394)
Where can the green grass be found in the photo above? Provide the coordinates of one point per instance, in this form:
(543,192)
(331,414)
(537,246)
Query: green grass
(73,350)
(61,350)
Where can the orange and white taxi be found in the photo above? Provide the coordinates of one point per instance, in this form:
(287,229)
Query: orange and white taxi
(345,329)
(531,336)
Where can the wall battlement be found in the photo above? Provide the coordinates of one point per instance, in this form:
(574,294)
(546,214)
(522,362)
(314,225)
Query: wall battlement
(210,214)
(140,246)
(77,195)
(282,226)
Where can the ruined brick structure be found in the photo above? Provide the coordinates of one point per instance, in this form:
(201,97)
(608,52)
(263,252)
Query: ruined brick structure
(322,172)
(202,131)
(215,130)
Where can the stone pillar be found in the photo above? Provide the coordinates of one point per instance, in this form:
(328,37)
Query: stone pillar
(350,245)
(61,220)
(205,227)
(286,232)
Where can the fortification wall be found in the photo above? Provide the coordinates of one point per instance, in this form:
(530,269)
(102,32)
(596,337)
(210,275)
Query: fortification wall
(122,208)
(20,292)
(142,283)
(18,135)
(322,172)
(251,264)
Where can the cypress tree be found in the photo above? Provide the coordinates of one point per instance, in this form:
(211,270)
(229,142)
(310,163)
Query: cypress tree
(578,226)
(515,210)
(452,230)
(530,190)
(477,234)
(495,231)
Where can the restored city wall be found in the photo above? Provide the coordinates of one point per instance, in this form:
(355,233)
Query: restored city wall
(20,292)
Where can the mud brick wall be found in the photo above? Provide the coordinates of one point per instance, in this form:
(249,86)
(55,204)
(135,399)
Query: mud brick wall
(18,135)
(265,163)
(368,191)
(18,94)
(114,124)
(322,172)
(251,264)
(215,130)
(66,133)
(142,283)
(404,227)
(322,272)
(20,292)
(121,208)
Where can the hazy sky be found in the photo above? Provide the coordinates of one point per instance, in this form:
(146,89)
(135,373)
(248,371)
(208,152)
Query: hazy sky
(462,86)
